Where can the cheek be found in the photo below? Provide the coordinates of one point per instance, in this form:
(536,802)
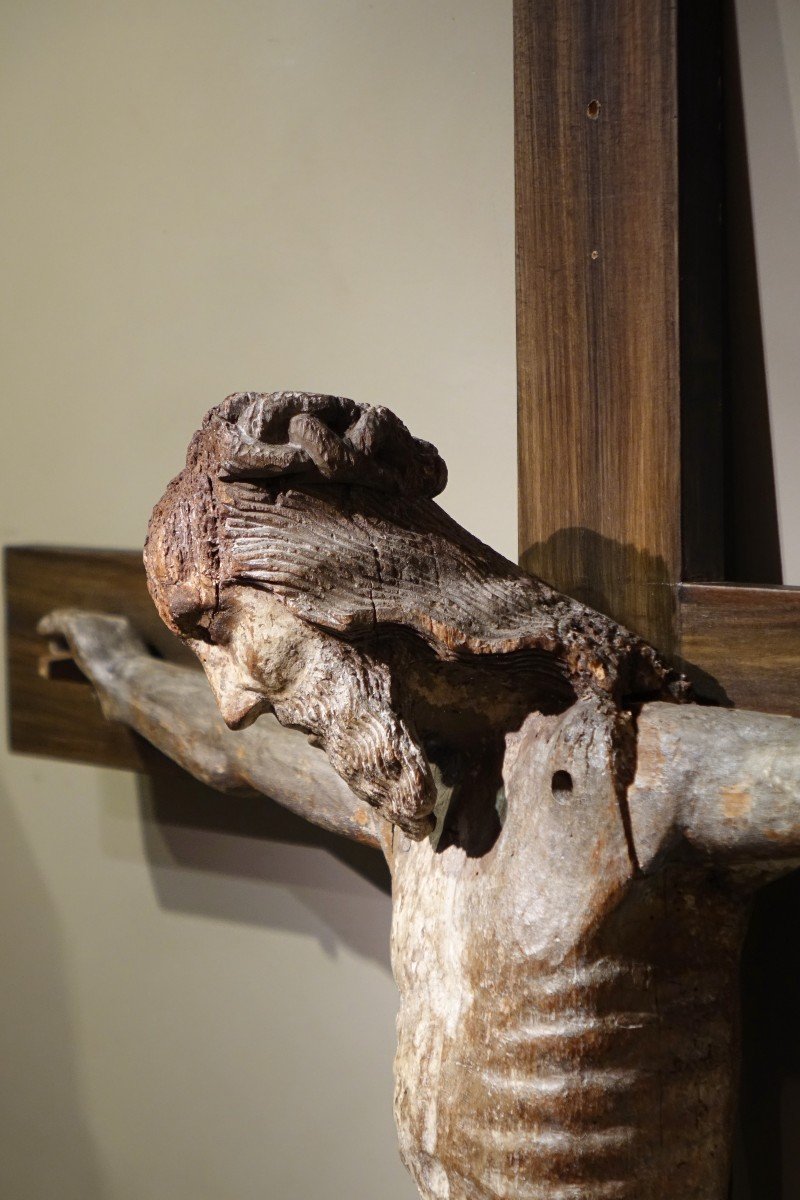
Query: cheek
(267,659)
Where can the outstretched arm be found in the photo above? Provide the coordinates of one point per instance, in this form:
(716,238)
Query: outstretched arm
(174,709)
(728,782)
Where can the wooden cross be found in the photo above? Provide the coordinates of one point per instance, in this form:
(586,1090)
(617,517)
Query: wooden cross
(625,497)
(622,496)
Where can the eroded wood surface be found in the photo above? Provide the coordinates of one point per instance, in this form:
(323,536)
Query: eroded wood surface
(310,521)
(741,646)
(568,988)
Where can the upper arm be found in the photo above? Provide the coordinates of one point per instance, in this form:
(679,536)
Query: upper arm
(725,781)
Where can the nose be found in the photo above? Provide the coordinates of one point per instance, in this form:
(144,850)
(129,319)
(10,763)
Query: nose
(241,709)
(239,705)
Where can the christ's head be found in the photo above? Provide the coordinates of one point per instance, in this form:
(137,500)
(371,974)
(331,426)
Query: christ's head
(233,542)
(301,557)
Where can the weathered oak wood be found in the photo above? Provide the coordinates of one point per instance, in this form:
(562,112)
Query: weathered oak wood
(173,708)
(309,520)
(741,645)
(726,783)
(565,992)
(569,999)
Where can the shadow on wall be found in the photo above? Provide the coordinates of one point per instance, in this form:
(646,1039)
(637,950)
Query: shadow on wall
(586,550)
(752,552)
(192,834)
(41,1089)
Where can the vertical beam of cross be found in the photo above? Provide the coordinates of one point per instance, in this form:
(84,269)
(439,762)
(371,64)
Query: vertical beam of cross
(619,302)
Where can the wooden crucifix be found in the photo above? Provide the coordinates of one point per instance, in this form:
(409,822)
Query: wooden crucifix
(573,840)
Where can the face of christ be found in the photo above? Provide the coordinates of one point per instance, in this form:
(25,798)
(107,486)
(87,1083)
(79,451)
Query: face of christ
(259,657)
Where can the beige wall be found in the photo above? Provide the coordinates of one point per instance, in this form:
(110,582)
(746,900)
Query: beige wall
(204,197)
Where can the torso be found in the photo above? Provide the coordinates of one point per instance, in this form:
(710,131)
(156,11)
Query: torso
(567,1025)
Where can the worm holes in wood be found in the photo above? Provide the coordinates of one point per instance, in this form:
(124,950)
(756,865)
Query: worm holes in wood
(561,783)
(593,110)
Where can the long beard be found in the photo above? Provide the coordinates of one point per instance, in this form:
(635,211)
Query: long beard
(347,701)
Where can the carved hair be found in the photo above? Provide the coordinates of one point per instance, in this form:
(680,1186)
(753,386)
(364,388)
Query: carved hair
(253,451)
(328,504)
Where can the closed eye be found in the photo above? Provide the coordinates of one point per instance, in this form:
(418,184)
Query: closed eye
(220,627)
(212,626)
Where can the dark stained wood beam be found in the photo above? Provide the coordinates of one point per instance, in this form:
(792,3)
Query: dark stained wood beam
(741,645)
(619,298)
(597,304)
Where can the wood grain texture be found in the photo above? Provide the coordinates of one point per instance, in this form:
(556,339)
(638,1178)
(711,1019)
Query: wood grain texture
(567,970)
(741,645)
(305,523)
(61,718)
(174,709)
(597,304)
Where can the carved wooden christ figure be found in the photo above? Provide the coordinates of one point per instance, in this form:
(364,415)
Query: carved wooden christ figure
(573,843)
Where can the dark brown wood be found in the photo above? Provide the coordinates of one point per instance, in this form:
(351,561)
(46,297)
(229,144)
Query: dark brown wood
(597,304)
(741,645)
(59,716)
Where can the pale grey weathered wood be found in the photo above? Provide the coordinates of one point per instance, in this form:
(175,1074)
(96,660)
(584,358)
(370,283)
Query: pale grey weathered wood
(726,782)
(489,933)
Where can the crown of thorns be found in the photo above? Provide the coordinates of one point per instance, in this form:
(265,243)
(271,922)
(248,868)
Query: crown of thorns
(319,438)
